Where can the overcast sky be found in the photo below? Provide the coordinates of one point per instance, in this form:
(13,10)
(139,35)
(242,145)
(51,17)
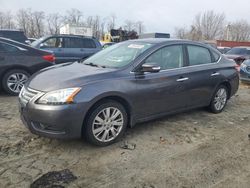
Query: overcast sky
(157,15)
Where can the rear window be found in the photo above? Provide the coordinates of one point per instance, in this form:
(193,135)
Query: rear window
(88,43)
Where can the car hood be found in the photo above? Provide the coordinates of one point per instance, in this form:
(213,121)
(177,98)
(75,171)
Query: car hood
(65,75)
(235,56)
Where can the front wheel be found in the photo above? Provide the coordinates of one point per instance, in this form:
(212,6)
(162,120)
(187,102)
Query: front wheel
(219,99)
(106,123)
(14,80)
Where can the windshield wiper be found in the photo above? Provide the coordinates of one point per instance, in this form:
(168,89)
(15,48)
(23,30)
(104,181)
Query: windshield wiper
(95,65)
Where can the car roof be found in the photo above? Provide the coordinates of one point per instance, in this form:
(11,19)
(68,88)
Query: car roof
(166,41)
(69,35)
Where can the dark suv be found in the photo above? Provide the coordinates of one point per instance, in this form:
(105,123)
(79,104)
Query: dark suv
(15,35)
(68,48)
(127,83)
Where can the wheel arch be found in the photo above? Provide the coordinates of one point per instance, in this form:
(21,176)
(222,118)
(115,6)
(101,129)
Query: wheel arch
(229,87)
(124,102)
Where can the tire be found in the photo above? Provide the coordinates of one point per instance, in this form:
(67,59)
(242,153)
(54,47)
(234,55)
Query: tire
(107,131)
(219,99)
(13,81)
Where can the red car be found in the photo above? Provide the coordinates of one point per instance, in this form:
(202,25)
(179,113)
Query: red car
(239,54)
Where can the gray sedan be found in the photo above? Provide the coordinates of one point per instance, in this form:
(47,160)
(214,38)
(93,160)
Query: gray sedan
(127,83)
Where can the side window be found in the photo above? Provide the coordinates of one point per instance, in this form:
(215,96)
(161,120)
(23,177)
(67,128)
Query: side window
(216,56)
(198,55)
(88,43)
(72,42)
(53,43)
(169,57)
(7,48)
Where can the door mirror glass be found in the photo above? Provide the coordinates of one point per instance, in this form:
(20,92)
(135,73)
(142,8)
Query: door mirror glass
(152,67)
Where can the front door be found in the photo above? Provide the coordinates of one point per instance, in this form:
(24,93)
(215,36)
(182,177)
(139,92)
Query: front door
(165,91)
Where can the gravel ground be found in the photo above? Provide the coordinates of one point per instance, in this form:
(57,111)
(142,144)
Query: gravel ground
(192,149)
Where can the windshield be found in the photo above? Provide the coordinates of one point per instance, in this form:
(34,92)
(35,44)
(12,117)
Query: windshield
(239,51)
(118,55)
(36,42)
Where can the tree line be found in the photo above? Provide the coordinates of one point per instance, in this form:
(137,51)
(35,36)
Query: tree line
(36,24)
(210,25)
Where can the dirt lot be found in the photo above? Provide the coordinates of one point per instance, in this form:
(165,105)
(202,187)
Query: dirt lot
(193,149)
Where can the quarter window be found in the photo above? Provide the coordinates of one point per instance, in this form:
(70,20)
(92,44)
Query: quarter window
(198,55)
(88,43)
(53,43)
(169,57)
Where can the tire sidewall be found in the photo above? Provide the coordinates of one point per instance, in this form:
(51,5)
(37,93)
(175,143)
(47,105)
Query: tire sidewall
(212,105)
(5,78)
(87,129)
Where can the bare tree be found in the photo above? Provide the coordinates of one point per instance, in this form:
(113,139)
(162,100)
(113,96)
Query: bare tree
(6,20)
(238,31)
(129,25)
(22,18)
(38,19)
(54,22)
(74,16)
(111,22)
(210,25)
(139,27)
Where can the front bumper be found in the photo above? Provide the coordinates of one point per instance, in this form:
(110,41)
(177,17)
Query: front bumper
(62,121)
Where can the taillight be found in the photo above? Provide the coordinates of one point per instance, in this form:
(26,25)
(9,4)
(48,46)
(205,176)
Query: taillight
(51,58)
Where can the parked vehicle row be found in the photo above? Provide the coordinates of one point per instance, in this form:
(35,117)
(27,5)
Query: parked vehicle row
(124,84)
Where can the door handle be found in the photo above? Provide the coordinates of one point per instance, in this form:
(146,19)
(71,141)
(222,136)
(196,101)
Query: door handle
(215,74)
(182,79)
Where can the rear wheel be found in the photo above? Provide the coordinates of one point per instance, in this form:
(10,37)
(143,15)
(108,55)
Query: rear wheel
(219,99)
(14,80)
(106,123)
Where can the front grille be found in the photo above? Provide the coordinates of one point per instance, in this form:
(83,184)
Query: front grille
(27,94)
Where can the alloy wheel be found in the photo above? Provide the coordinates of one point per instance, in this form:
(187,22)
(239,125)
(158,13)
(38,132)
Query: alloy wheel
(220,99)
(16,81)
(107,124)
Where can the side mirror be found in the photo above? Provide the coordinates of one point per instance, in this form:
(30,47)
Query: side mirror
(28,42)
(42,45)
(153,68)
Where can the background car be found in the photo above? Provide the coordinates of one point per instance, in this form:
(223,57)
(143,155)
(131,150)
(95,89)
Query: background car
(18,61)
(107,44)
(15,35)
(124,84)
(245,71)
(223,49)
(239,54)
(68,48)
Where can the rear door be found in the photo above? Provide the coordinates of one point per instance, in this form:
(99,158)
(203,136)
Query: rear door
(89,47)
(203,75)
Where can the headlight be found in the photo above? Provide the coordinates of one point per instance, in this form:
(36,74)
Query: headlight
(62,96)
